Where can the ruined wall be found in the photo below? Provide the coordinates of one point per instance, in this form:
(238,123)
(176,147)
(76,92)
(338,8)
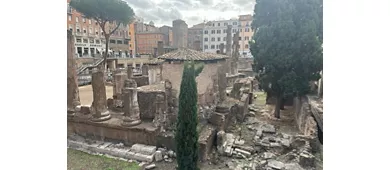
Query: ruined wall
(141,80)
(173,72)
(137,134)
(303,117)
(147,100)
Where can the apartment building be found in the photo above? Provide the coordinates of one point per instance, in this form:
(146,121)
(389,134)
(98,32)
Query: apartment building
(246,34)
(132,43)
(147,42)
(89,37)
(214,33)
(167,31)
(195,37)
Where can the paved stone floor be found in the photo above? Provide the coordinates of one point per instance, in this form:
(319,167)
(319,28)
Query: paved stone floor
(86,96)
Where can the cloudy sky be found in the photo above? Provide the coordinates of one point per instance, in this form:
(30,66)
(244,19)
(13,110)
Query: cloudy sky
(163,12)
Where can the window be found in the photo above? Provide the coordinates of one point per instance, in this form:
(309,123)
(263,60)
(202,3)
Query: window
(246,29)
(219,39)
(78,40)
(77,29)
(96,31)
(212,46)
(126,42)
(90,22)
(77,19)
(240,30)
(247,24)
(212,31)
(246,46)
(206,47)
(84,19)
(70,17)
(206,39)
(85,40)
(90,30)
(234,23)
(97,42)
(206,32)
(224,38)
(91,40)
(246,38)
(112,41)
(119,42)
(225,24)
(218,31)
(213,25)
(84,30)
(213,39)
(224,30)
(219,24)
(239,38)
(217,46)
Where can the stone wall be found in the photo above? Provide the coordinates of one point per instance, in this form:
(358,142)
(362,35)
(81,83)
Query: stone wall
(147,100)
(303,117)
(141,80)
(144,133)
(208,76)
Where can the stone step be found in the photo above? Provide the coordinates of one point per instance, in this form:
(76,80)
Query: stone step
(144,149)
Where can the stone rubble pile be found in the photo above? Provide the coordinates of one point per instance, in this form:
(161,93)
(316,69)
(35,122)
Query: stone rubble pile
(145,154)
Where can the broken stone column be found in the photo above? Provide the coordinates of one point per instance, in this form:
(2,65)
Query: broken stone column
(160,119)
(229,40)
(130,102)
(235,55)
(118,86)
(145,70)
(73,98)
(222,82)
(221,48)
(130,72)
(99,105)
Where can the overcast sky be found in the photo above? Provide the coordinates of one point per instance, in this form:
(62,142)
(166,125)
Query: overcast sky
(163,12)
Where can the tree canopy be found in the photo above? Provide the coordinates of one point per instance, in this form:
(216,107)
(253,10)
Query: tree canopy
(287,46)
(186,135)
(114,12)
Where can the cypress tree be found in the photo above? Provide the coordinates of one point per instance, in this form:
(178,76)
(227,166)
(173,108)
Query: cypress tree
(186,135)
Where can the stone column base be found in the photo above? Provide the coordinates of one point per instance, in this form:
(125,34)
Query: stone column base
(128,122)
(103,117)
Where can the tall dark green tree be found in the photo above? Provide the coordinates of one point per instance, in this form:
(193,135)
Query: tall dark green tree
(186,135)
(109,14)
(287,46)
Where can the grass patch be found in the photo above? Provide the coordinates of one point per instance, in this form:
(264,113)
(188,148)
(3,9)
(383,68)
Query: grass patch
(261,96)
(78,160)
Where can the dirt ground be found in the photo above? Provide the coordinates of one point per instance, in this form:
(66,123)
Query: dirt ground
(86,96)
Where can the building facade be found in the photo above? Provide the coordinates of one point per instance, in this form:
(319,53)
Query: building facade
(132,43)
(179,33)
(167,31)
(214,33)
(195,37)
(246,34)
(89,37)
(147,42)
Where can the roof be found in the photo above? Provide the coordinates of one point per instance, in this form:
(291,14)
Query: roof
(189,54)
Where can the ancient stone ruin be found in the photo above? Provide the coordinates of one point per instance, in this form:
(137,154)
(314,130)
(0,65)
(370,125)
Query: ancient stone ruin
(138,121)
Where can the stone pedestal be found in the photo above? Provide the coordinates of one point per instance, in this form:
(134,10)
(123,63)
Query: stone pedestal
(73,99)
(119,80)
(145,70)
(99,105)
(130,102)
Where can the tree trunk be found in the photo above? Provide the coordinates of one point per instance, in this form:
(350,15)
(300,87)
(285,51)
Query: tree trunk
(277,106)
(106,53)
(268,97)
(282,103)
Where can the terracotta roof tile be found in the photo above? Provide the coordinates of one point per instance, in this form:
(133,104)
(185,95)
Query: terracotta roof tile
(189,54)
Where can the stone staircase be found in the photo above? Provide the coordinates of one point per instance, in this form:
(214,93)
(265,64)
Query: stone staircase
(84,67)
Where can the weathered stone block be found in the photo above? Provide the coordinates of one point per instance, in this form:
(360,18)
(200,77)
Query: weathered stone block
(206,138)
(158,156)
(144,149)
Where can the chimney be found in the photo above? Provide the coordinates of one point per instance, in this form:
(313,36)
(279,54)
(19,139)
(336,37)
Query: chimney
(229,40)
(160,48)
